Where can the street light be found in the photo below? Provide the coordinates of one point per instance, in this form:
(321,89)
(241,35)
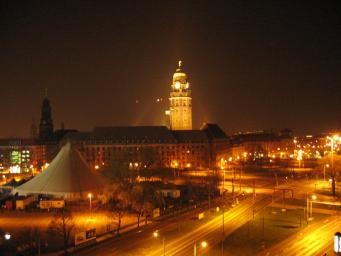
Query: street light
(156,235)
(336,138)
(7,236)
(203,245)
(324,170)
(310,206)
(90,197)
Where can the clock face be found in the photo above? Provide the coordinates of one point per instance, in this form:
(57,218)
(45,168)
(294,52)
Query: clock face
(177,85)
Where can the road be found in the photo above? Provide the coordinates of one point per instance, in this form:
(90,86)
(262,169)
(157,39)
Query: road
(182,243)
(211,232)
(315,239)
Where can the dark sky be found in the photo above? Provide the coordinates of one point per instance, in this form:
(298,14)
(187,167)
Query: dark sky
(252,64)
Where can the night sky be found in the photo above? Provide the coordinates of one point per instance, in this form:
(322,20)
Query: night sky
(251,64)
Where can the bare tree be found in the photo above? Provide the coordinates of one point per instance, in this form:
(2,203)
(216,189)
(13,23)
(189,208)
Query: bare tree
(29,240)
(62,225)
(120,202)
(137,195)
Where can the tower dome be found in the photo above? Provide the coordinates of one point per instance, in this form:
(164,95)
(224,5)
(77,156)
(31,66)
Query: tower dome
(180,79)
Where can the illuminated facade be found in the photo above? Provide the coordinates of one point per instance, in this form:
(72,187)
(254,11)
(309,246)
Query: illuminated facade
(180,112)
(150,146)
(21,155)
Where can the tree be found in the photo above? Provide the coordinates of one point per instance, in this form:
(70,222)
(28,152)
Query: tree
(118,168)
(212,182)
(145,198)
(62,225)
(137,194)
(29,240)
(152,199)
(120,202)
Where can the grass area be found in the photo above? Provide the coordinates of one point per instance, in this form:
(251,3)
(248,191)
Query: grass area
(268,228)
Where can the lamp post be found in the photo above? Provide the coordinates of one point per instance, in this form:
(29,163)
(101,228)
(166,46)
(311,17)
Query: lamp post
(90,197)
(324,170)
(223,221)
(203,245)
(156,234)
(310,206)
(335,137)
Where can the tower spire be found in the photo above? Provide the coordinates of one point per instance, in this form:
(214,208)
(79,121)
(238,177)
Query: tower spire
(46,123)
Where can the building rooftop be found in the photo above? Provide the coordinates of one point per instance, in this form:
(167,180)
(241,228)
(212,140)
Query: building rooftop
(190,136)
(214,131)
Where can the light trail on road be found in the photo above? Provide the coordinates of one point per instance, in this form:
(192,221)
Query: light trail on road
(212,230)
(316,239)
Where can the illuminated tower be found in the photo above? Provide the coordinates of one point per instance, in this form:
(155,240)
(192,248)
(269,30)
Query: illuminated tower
(46,124)
(180,101)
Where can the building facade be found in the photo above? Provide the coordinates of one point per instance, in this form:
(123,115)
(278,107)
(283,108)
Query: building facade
(150,146)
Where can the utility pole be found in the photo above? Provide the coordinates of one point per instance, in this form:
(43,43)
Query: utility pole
(222,207)
(254,190)
(333,171)
(240,179)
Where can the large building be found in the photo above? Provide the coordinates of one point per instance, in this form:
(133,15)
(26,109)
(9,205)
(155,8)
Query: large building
(151,146)
(180,111)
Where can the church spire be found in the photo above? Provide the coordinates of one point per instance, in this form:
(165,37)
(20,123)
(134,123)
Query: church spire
(46,123)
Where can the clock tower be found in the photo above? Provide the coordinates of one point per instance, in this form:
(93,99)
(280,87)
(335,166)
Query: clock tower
(180,101)
(46,124)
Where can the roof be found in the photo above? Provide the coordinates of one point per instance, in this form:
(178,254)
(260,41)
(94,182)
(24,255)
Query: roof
(126,135)
(77,136)
(214,131)
(254,136)
(184,136)
(18,142)
(146,135)
(68,175)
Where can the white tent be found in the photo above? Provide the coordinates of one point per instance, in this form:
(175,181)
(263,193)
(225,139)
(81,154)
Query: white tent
(67,176)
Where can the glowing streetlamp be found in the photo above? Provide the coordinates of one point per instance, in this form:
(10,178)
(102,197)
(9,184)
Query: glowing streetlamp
(156,235)
(90,197)
(310,206)
(7,236)
(203,245)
